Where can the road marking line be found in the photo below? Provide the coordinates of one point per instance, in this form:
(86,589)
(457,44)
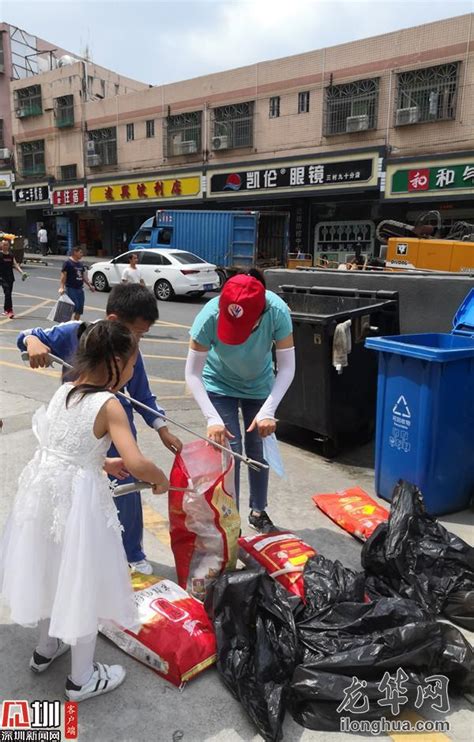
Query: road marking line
(28,311)
(166,342)
(44,278)
(165,381)
(24,367)
(156,524)
(172,324)
(165,358)
(35,296)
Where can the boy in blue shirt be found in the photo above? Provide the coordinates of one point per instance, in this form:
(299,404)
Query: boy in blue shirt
(73,278)
(136,307)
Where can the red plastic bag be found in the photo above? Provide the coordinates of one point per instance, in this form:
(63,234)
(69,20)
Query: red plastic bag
(354,510)
(282,554)
(176,638)
(205,526)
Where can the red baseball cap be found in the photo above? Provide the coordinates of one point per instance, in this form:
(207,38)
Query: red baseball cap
(241,303)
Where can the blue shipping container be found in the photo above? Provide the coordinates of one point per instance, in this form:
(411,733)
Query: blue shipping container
(425,413)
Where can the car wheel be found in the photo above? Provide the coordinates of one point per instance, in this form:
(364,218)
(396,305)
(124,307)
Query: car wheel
(99,281)
(163,290)
(222,278)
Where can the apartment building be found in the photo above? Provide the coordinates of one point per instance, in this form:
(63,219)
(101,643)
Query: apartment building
(338,138)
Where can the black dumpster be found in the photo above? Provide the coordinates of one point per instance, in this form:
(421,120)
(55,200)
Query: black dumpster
(331,404)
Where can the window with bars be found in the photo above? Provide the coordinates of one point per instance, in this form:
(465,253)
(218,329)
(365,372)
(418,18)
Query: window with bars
(427,95)
(130,132)
(150,129)
(28,101)
(274,107)
(105,145)
(351,107)
(233,126)
(303,102)
(32,158)
(68,172)
(2,138)
(64,107)
(183,134)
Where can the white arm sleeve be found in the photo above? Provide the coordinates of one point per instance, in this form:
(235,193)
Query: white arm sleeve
(285,372)
(195,363)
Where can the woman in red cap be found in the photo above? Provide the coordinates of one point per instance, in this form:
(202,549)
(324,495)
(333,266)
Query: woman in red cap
(230,366)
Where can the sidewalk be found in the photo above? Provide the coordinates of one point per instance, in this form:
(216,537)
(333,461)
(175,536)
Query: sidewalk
(53,259)
(147,707)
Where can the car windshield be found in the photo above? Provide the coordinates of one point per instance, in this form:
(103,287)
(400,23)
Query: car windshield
(186,257)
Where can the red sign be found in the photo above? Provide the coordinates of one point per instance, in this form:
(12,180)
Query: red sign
(418,180)
(70,720)
(69,197)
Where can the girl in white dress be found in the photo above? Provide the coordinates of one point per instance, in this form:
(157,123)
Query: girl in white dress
(62,562)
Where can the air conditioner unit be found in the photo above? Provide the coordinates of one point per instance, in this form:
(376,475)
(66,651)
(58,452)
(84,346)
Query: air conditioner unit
(407,116)
(4,154)
(188,147)
(90,147)
(220,142)
(21,113)
(357,123)
(93,160)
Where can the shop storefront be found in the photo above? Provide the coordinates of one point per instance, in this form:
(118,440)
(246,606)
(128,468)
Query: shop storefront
(64,217)
(35,202)
(116,208)
(12,220)
(444,183)
(332,200)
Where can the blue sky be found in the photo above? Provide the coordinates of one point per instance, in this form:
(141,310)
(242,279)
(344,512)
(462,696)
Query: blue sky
(157,42)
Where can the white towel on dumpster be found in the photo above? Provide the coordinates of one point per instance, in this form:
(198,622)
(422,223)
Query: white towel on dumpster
(341,345)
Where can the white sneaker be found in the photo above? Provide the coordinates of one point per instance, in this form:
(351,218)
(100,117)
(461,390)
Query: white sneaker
(104,679)
(142,566)
(38,663)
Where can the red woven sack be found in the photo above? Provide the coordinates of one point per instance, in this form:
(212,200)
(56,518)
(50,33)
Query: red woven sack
(354,510)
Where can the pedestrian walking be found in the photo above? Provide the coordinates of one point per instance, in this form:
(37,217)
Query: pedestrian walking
(73,278)
(137,308)
(42,238)
(132,274)
(8,264)
(62,564)
(230,366)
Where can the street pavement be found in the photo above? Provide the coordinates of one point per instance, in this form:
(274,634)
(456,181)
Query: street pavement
(146,707)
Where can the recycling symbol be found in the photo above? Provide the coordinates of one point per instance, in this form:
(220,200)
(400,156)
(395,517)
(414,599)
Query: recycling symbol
(401,408)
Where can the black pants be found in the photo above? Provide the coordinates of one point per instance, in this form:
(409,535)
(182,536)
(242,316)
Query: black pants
(7,287)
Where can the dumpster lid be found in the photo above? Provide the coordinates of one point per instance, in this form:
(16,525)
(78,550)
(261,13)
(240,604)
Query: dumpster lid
(463,322)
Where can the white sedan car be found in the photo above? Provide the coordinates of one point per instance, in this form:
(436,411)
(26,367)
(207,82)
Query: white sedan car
(167,272)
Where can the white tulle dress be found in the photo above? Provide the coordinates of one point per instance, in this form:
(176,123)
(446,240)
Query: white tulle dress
(61,554)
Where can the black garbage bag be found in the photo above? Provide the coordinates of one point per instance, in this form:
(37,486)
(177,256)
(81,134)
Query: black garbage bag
(366,646)
(257,648)
(413,556)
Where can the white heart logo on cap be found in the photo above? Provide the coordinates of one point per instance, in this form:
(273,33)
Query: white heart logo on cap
(235,311)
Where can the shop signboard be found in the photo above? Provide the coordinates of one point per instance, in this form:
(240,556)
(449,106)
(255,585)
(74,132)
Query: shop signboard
(315,174)
(431,178)
(6,180)
(66,197)
(31,195)
(160,188)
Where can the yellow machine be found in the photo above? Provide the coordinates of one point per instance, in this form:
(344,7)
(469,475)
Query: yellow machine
(430,254)
(428,245)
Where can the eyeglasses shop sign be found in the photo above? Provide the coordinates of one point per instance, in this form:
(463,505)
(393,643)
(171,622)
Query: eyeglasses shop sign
(289,177)
(32,195)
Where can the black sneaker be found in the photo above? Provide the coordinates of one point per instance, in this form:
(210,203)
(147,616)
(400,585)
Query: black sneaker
(261,522)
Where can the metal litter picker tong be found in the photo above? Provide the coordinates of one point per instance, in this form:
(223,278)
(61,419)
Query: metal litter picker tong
(251,463)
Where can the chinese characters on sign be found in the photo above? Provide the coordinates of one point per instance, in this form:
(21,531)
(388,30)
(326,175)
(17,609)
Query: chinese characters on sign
(145,190)
(33,194)
(443,177)
(294,176)
(69,197)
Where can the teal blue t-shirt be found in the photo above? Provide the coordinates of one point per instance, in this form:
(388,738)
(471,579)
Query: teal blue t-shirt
(246,370)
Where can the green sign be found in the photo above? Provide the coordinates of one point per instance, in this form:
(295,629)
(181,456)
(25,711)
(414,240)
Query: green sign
(437,178)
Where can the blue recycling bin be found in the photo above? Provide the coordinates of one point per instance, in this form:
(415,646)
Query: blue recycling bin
(425,413)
